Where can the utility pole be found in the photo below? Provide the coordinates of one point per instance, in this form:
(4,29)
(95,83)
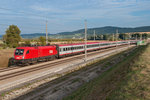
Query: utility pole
(124,36)
(46,34)
(117,35)
(85,40)
(141,36)
(94,35)
(113,37)
(129,38)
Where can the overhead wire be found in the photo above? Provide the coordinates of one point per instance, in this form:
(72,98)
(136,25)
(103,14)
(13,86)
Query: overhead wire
(31,15)
(22,12)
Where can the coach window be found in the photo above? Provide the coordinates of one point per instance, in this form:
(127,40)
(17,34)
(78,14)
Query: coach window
(63,49)
(103,44)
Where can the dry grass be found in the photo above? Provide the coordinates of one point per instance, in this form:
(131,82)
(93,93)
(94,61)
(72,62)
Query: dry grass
(5,54)
(137,84)
(121,82)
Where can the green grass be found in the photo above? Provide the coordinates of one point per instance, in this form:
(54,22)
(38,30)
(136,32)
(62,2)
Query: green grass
(137,84)
(109,83)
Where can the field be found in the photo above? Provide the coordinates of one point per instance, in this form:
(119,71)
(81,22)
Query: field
(136,84)
(128,80)
(5,54)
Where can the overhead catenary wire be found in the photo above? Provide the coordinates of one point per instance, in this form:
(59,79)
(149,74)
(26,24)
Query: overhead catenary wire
(13,20)
(85,40)
(22,12)
(27,27)
(30,15)
(22,26)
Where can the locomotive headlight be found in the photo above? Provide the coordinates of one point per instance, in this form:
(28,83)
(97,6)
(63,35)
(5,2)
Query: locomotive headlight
(23,57)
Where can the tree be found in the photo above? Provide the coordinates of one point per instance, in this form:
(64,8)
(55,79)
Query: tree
(42,40)
(105,37)
(123,36)
(101,37)
(145,36)
(136,36)
(4,38)
(12,36)
(27,43)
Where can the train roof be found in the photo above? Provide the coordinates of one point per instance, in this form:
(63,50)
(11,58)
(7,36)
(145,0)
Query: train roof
(52,46)
(87,43)
(28,47)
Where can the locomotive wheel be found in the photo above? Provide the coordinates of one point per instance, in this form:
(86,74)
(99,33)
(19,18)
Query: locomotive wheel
(11,62)
(52,58)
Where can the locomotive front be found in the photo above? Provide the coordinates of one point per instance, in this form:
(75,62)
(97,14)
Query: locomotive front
(19,55)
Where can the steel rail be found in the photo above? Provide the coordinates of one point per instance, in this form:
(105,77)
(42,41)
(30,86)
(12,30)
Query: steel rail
(25,71)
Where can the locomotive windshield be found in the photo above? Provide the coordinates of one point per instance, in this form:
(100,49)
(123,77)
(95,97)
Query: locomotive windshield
(19,51)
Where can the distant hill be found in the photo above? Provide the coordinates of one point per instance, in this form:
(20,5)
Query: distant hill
(33,35)
(110,30)
(80,33)
(100,30)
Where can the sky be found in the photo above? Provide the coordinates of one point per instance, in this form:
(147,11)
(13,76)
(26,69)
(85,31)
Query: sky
(69,15)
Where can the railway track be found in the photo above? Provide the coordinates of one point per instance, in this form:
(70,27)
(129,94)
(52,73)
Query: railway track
(9,72)
(9,68)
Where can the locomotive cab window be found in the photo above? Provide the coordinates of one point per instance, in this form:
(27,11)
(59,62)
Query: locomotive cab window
(27,52)
(19,52)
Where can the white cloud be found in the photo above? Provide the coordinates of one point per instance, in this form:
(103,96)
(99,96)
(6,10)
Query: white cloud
(39,8)
(69,14)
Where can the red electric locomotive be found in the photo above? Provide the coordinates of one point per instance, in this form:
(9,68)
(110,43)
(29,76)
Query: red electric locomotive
(25,55)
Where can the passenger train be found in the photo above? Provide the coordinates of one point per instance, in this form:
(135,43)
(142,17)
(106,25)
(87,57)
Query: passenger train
(30,55)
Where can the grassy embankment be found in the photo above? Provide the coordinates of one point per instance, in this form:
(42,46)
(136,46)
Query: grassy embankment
(128,80)
(5,54)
